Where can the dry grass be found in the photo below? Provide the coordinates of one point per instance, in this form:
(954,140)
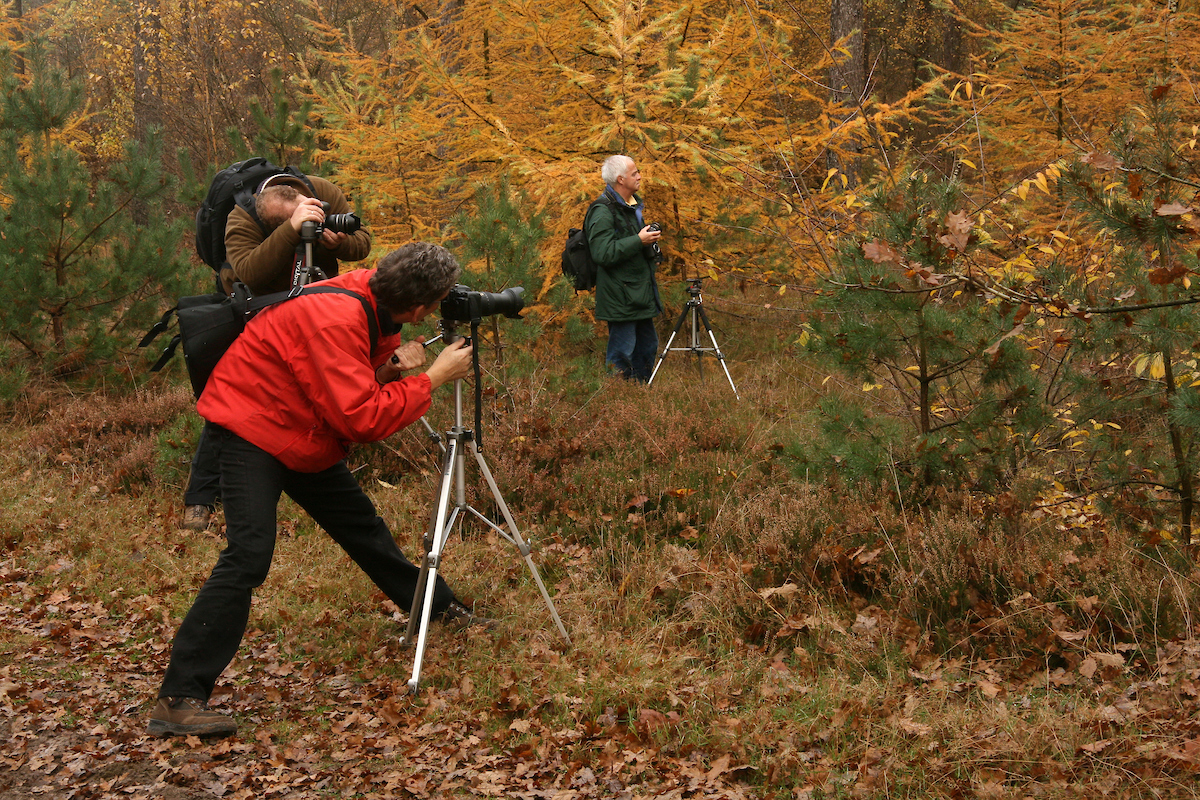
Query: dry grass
(834,645)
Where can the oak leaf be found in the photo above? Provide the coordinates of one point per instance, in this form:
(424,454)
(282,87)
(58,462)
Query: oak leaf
(881,253)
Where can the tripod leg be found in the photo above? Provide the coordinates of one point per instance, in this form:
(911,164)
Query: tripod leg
(717,350)
(514,536)
(439,528)
(671,338)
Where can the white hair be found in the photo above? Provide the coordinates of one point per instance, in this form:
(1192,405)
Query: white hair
(614,167)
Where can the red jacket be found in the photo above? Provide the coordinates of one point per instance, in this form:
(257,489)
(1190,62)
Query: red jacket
(299,382)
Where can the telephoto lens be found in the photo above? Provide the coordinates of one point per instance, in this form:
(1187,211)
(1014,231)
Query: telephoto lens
(465,305)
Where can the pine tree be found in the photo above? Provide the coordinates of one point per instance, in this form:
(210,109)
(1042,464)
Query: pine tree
(284,134)
(80,278)
(1135,313)
(501,240)
(904,319)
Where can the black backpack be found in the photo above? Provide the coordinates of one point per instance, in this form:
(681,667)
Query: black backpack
(234,185)
(577,263)
(209,324)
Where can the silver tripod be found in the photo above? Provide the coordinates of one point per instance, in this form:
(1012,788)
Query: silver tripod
(694,313)
(457,441)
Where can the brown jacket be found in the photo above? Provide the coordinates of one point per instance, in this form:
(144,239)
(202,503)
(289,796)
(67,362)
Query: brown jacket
(265,263)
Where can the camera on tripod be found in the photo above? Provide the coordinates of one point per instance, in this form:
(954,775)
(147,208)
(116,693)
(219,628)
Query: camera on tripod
(337,223)
(465,305)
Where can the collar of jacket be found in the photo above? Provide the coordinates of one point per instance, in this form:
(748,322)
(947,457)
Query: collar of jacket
(613,193)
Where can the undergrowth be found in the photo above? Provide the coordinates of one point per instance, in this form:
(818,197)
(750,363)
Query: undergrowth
(718,601)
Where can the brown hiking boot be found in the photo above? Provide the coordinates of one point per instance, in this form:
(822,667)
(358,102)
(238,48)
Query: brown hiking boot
(197,518)
(187,716)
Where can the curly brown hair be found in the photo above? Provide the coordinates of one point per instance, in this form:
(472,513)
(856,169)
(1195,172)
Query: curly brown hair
(412,275)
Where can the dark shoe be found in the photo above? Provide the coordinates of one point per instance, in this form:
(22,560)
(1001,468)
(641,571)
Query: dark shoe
(187,716)
(460,616)
(197,518)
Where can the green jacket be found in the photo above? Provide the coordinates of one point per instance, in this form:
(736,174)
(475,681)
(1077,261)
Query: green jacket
(625,286)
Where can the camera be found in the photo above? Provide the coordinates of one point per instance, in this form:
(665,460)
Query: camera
(655,250)
(339,223)
(465,305)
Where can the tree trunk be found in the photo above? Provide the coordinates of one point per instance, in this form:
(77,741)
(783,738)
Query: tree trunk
(18,36)
(847,81)
(147,38)
(1183,466)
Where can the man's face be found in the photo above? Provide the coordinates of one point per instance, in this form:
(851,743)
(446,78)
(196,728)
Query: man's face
(418,313)
(632,178)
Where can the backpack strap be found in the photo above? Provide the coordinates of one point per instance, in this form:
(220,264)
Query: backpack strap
(602,200)
(253,306)
(159,327)
(167,353)
(265,300)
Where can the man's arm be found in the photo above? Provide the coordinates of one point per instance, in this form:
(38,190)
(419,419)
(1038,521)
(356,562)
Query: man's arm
(349,247)
(264,263)
(607,245)
(336,376)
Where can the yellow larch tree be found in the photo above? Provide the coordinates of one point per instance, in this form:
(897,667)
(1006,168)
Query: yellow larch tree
(706,97)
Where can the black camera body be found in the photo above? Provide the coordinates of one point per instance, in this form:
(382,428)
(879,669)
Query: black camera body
(338,223)
(465,305)
(655,250)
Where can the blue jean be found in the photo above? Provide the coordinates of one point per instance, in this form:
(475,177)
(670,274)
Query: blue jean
(251,483)
(631,348)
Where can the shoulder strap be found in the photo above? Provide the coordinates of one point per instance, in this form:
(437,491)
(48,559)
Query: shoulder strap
(602,200)
(253,306)
(265,300)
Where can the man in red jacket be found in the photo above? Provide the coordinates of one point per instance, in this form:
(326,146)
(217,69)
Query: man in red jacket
(300,383)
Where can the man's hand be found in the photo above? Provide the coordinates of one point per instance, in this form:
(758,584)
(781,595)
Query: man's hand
(649,235)
(409,355)
(451,364)
(331,240)
(307,210)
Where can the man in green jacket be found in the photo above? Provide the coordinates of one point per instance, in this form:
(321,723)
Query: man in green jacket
(624,248)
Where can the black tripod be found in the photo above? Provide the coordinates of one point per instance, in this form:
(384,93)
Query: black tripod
(694,311)
(457,441)
(306,270)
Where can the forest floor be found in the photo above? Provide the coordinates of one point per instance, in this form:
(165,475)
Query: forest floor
(738,632)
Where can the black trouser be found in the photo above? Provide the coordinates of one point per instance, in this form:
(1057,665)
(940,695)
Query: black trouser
(204,478)
(251,483)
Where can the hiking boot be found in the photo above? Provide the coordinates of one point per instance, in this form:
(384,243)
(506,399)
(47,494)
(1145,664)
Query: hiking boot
(197,518)
(187,716)
(460,616)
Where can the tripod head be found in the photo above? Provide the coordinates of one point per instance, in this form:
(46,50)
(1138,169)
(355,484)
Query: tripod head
(463,304)
(306,270)
(449,335)
(693,287)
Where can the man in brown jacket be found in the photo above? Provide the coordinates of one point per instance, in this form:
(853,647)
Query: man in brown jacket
(264,257)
